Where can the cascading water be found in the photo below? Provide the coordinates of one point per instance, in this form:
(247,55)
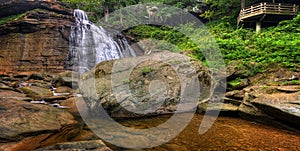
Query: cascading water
(90,44)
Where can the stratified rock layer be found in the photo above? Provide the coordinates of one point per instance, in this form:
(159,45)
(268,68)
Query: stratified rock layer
(36,40)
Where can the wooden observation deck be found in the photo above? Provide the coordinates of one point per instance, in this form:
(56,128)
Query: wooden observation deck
(267,12)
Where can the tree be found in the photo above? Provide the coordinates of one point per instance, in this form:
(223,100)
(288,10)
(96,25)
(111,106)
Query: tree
(219,9)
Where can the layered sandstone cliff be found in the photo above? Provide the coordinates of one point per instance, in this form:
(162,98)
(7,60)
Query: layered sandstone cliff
(38,39)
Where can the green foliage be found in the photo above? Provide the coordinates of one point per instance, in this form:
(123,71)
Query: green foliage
(253,51)
(165,34)
(274,45)
(235,82)
(284,83)
(126,81)
(146,70)
(222,9)
(10,18)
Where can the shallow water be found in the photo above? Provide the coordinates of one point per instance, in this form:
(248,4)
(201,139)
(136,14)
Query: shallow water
(227,133)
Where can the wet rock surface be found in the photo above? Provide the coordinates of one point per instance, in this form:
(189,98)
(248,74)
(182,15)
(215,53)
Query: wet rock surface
(281,106)
(30,123)
(20,119)
(152,88)
(34,116)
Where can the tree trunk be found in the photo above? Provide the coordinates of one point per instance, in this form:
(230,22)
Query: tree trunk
(121,14)
(106,14)
(243,4)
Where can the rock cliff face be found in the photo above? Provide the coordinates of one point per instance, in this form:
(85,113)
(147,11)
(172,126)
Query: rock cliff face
(14,7)
(38,39)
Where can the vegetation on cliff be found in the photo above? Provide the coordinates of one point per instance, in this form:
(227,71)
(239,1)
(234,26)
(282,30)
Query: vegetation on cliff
(274,45)
(7,19)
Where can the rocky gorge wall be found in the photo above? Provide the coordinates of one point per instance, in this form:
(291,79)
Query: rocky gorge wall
(36,40)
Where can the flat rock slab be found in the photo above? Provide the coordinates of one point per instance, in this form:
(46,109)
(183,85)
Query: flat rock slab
(37,93)
(5,87)
(282,106)
(28,99)
(21,119)
(288,89)
(224,108)
(7,94)
(55,98)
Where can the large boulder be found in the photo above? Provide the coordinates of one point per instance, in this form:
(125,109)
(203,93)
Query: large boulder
(282,106)
(149,86)
(272,105)
(66,78)
(20,119)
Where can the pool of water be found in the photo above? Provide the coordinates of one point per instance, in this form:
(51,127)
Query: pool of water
(227,133)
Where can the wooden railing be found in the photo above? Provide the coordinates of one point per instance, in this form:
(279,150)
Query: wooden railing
(268,8)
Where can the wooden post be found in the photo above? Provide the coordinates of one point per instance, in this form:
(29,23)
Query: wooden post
(258,27)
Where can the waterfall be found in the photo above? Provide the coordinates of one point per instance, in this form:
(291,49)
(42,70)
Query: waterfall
(90,44)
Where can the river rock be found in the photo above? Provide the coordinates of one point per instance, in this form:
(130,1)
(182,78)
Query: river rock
(5,87)
(21,119)
(236,94)
(40,83)
(8,94)
(284,107)
(84,135)
(254,111)
(54,98)
(63,89)
(153,86)
(72,108)
(249,111)
(37,93)
(66,78)
(95,145)
(36,76)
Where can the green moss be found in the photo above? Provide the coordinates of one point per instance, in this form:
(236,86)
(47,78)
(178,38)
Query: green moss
(146,70)
(284,83)
(236,82)
(8,19)
(264,87)
(126,81)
